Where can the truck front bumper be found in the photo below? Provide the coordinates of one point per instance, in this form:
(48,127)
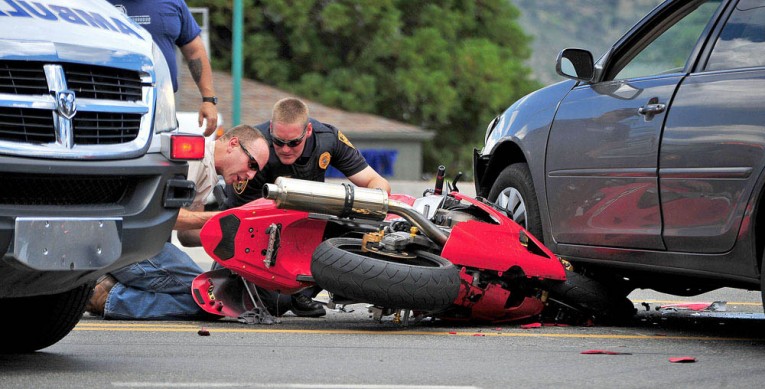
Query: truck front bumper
(66,223)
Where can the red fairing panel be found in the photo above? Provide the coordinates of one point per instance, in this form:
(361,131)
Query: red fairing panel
(298,237)
(498,247)
(219,293)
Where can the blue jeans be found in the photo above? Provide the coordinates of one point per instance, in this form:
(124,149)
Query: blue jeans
(158,288)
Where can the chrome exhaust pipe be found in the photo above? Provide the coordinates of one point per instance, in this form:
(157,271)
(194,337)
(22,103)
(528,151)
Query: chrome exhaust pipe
(346,200)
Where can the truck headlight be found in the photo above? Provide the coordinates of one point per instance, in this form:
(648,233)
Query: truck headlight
(164,110)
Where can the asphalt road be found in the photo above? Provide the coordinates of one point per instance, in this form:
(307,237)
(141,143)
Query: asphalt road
(349,350)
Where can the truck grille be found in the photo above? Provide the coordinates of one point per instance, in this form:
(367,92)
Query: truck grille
(92,82)
(22,78)
(36,126)
(26,125)
(95,82)
(31,189)
(98,128)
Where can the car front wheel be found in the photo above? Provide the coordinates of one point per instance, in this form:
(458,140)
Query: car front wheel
(514,191)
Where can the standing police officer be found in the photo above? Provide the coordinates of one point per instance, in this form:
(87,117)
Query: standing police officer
(171,24)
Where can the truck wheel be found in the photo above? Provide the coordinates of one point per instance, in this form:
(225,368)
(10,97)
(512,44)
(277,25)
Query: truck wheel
(514,191)
(427,282)
(581,299)
(36,322)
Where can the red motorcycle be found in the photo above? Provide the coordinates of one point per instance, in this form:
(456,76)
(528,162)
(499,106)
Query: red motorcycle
(440,256)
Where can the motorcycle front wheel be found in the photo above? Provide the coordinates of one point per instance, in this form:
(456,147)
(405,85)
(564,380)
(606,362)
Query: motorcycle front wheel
(426,282)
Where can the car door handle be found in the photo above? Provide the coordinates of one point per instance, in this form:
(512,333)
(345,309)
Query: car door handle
(652,109)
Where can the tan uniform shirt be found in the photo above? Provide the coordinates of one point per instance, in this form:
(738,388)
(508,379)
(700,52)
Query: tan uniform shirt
(204,175)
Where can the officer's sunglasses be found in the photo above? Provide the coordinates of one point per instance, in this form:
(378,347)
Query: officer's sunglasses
(290,143)
(253,163)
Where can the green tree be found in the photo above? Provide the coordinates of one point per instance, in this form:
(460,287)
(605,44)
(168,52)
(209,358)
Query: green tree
(445,65)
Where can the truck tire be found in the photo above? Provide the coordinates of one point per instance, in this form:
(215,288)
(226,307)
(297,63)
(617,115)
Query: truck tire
(427,283)
(514,191)
(37,322)
(581,299)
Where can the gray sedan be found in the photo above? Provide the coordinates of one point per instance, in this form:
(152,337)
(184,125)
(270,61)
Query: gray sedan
(646,168)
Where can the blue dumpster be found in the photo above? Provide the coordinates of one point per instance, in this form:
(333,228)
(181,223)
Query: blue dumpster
(382,160)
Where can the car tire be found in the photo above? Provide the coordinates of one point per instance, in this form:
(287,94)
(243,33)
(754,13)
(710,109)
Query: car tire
(514,191)
(428,282)
(762,281)
(37,322)
(580,300)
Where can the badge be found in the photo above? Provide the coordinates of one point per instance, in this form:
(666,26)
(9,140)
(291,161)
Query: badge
(344,139)
(324,160)
(240,186)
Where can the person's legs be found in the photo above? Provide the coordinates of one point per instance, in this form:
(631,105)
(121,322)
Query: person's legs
(156,288)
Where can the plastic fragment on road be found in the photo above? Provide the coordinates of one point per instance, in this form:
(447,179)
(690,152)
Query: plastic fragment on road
(539,325)
(203,332)
(682,360)
(603,352)
(716,306)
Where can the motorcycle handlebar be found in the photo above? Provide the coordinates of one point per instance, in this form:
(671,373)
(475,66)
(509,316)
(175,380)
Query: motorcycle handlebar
(439,180)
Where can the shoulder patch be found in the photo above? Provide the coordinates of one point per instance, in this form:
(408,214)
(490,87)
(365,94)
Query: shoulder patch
(344,139)
(324,159)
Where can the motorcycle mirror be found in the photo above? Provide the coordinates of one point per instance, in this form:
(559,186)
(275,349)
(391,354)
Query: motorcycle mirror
(453,185)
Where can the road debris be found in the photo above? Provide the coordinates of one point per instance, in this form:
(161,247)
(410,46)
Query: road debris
(604,352)
(716,306)
(682,360)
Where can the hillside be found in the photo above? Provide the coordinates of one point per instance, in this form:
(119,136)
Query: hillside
(592,25)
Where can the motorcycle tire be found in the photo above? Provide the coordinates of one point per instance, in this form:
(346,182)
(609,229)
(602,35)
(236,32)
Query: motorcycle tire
(426,283)
(40,321)
(581,299)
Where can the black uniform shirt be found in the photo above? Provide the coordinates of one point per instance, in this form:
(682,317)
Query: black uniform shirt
(326,146)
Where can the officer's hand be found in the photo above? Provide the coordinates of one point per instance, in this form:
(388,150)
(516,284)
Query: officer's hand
(209,112)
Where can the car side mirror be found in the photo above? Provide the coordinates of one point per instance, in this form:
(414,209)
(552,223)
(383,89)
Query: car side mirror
(575,63)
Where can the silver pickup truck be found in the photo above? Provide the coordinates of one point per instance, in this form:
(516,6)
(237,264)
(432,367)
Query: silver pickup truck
(87,180)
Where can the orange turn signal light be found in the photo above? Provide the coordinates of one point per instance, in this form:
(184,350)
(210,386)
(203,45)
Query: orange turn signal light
(187,147)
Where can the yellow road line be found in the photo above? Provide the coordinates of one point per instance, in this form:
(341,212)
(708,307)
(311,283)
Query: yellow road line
(524,334)
(638,301)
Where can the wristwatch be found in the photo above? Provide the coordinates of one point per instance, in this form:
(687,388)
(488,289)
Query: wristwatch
(212,99)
